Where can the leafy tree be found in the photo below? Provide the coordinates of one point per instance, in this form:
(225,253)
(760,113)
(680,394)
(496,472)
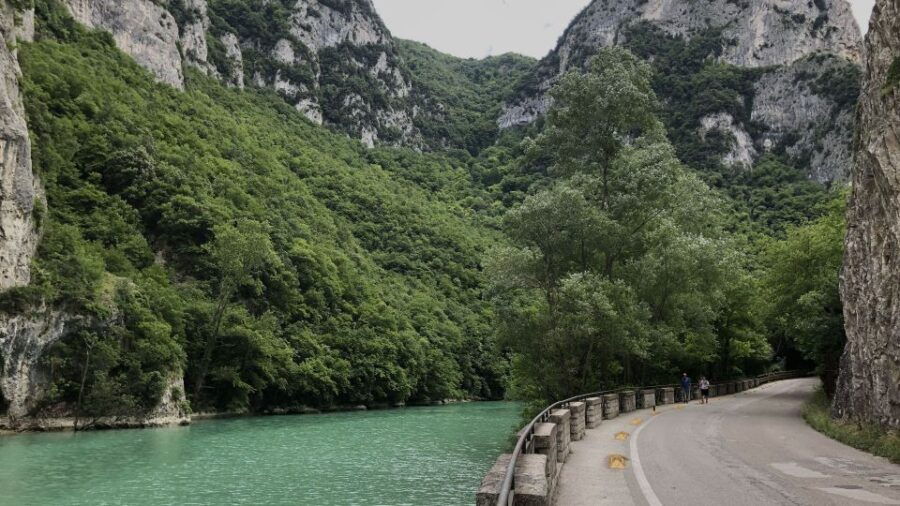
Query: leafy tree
(239,253)
(799,293)
(620,272)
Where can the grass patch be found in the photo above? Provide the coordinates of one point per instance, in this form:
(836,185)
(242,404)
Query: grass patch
(866,437)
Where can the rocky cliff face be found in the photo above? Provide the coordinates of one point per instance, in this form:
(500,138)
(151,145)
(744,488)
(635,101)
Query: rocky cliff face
(333,60)
(869,381)
(140,28)
(26,335)
(19,189)
(23,339)
(775,36)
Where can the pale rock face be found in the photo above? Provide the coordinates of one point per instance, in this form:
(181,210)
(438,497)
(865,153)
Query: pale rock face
(868,385)
(311,109)
(23,339)
(526,111)
(319,26)
(193,38)
(142,29)
(19,188)
(145,30)
(786,103)
(235,59)
(284,52)
(742,150)
(765,32)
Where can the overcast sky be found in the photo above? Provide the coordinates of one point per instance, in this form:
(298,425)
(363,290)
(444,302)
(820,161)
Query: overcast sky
(478,28)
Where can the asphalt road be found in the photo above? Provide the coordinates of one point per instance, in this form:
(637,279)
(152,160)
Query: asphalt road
(753,448)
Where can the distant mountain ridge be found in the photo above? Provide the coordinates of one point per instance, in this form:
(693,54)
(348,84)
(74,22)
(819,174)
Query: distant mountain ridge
(774,38)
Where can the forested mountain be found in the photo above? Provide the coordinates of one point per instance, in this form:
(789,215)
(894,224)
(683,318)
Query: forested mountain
(738,79)
(215,234)
(271,205)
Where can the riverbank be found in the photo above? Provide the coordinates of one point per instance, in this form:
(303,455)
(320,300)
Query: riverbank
(865,437)
(67,424)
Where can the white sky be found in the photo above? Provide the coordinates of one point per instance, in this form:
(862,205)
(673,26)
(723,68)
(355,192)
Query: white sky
(478,28)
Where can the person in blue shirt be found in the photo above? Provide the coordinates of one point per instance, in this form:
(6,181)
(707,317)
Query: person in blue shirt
(686,388)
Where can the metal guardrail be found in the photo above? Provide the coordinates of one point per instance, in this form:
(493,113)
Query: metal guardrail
(525,441)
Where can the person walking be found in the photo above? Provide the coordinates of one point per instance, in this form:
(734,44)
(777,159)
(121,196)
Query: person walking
(686,388)
(704,390)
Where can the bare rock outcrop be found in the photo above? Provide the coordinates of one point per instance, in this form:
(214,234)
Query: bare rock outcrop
(193,29)
(20,191)
(23,340)
(141,28)
(869,381)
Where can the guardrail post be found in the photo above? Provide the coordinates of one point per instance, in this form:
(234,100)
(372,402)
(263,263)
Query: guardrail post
(532,488)
(593,412)
(489,492)
(668,395)
(610,406)
(576,421)
(562,418)
(648,398)
(545,443)
(626,401)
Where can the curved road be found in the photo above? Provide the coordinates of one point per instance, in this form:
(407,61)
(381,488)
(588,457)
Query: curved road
(753,448)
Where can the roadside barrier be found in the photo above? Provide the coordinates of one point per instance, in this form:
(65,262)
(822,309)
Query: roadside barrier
(529,475)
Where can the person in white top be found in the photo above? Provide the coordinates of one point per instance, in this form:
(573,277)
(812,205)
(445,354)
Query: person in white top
(704,390)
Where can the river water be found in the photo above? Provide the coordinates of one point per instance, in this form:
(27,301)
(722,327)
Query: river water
(415,456)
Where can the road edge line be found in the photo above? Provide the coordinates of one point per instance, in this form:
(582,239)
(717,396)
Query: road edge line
(643,483)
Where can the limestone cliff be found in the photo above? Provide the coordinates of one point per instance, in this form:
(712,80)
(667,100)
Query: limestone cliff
(140,28)
(334,61)
(776,37)
(19,189)
(25,335)
(869,381)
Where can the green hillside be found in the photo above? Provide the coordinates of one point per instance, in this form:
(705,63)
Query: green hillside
(462,97)
(219,232)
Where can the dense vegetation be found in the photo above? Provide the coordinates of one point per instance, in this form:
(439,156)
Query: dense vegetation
(462,97)
(219,233)
(621,272)
(866,437)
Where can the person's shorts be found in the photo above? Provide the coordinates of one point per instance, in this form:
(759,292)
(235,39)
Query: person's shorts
(704,392)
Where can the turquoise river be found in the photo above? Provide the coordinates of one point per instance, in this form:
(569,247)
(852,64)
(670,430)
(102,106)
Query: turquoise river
(415,456)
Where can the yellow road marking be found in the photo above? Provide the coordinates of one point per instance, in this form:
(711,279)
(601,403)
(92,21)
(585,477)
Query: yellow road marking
(622,436)
(618,461)
(636,421)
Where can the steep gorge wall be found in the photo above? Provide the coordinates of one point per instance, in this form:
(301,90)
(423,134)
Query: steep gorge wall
(869,381)
(334,61)
(19,189)
(25,335)
(778,37)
